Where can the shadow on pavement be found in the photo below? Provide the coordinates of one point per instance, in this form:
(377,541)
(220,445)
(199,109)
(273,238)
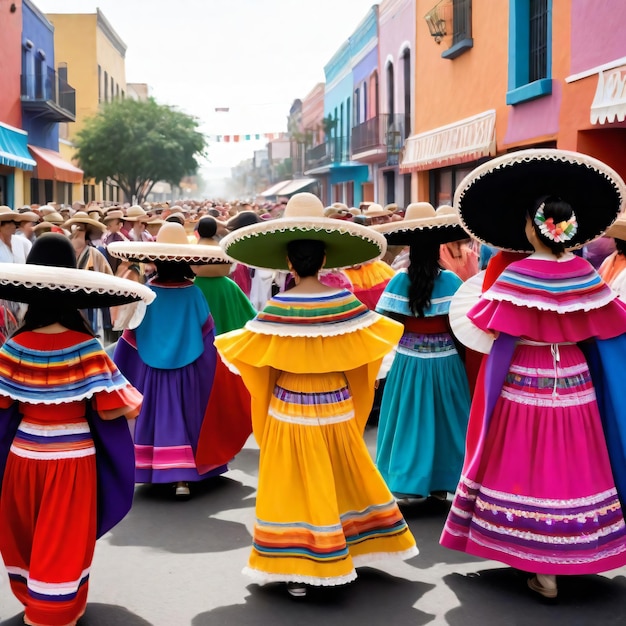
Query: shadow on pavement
(158,520)
(247,460)
(96,615)
(374,598)
(426,521)
(501,596)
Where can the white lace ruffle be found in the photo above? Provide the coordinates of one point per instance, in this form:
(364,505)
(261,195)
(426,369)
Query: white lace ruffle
(68,398)
(264,577)
(573,307)
(313,330)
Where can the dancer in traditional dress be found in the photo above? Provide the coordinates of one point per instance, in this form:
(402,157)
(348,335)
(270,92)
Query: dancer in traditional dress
(67,459)
(170,358)
(541,483)
(425,405)
(310,360)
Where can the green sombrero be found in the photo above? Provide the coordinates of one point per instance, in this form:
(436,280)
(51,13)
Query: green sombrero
(264,245)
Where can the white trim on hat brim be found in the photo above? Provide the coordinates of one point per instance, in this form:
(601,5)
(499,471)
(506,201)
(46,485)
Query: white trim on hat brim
(150,251)
(66,279)
(422,223)
(302,225)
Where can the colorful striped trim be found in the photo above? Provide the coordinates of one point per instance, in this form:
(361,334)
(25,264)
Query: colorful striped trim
(161,458)
(51,592)
(571,285)
(312,315)
(57,376)
(328,543)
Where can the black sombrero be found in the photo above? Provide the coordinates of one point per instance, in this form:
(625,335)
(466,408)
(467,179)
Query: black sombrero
(494,198)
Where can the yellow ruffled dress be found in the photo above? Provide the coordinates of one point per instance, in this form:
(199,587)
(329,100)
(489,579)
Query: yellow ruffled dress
(310,362)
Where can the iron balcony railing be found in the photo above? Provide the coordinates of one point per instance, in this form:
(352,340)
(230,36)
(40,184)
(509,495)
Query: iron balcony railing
(385,133)
(50,95)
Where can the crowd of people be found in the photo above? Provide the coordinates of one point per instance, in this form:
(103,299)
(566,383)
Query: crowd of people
(483,339)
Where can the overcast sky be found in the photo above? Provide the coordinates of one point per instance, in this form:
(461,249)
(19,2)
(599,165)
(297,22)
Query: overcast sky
(253,56)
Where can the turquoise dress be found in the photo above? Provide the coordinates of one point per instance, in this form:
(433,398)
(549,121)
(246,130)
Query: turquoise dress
(426,401)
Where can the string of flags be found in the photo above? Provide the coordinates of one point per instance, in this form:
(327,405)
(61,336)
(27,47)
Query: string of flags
(246,137)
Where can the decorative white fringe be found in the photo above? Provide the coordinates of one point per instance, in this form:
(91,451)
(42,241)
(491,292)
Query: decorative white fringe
(583,305)
(264,578)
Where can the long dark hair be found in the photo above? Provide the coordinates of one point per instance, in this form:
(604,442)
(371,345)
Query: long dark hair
(423,270)
(41,314)
(620,246)
(173,271)
(559,211)
(306,256)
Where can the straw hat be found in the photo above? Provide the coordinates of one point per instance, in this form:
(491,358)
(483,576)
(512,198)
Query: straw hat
(115,214)
(422,223)
(29,216)
(80,217)
(136,214)
(494,199)
(7,214)
(264,245)
(617,229)
(49,277)
(171,245)
(375,210)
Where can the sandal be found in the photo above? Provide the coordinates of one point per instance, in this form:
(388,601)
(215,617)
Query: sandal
(297,590)
(537,587)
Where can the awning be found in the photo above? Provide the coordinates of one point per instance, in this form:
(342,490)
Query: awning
(296,185)
(271,191)
(14,148)
(460,142)
(52,166)
(609,103)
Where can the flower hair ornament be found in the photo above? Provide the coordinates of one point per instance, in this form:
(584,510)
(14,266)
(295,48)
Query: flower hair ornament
(561,232)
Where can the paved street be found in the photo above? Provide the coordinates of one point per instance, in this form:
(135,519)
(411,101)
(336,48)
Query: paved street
(179,563)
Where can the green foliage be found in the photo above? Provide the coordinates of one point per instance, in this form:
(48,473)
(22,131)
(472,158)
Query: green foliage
(137,143)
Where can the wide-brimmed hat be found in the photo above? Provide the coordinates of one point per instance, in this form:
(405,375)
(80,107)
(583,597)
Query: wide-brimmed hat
(617,229)
(50,278)
(171,245)
(422,223)
(7,214)
(264,245)
(115,214)
(494,198)
(80,217)
(136,214)
(375,210)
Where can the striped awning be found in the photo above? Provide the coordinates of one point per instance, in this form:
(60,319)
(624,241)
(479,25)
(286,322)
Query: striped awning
(14,148)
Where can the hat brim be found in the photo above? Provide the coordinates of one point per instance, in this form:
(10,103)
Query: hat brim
(494,199)
(75,288)
(87,222)
(150,251)
(466,296)
(264,245)
(617,230)
(440,229)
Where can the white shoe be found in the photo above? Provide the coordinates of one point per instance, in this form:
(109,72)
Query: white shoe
(182,490)
(297,590)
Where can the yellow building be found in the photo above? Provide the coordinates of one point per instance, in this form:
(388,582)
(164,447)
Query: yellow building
(96,54)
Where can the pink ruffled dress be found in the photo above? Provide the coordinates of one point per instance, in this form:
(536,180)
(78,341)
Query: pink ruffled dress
(537,491)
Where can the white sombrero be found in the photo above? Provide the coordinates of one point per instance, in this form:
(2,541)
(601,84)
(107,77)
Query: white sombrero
(422,223)
(49,277)
(171,245)
(264,245)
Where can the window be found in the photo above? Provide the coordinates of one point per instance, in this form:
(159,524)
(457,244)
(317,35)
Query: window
(391,104)
(461,29)
(406,74)
(99,84)
(106,86)
(530,50)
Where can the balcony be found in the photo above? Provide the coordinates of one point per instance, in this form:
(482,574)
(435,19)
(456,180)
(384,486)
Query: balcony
(379,139)
(48,96)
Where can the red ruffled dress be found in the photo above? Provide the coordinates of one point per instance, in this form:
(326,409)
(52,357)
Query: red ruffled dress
(48,505)
(537,490)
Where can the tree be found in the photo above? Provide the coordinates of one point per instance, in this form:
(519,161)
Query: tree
(137,143)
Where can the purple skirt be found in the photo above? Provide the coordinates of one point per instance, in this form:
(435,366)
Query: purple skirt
(168,425)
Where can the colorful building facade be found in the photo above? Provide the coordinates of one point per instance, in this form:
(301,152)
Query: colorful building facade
(96,54)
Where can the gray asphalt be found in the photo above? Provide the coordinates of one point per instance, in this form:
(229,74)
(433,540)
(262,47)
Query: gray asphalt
(175,563)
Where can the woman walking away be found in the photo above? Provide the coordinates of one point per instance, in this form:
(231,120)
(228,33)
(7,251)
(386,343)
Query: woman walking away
(65,448)
(170,358)
(540,488)
(425,405)
(310,360)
